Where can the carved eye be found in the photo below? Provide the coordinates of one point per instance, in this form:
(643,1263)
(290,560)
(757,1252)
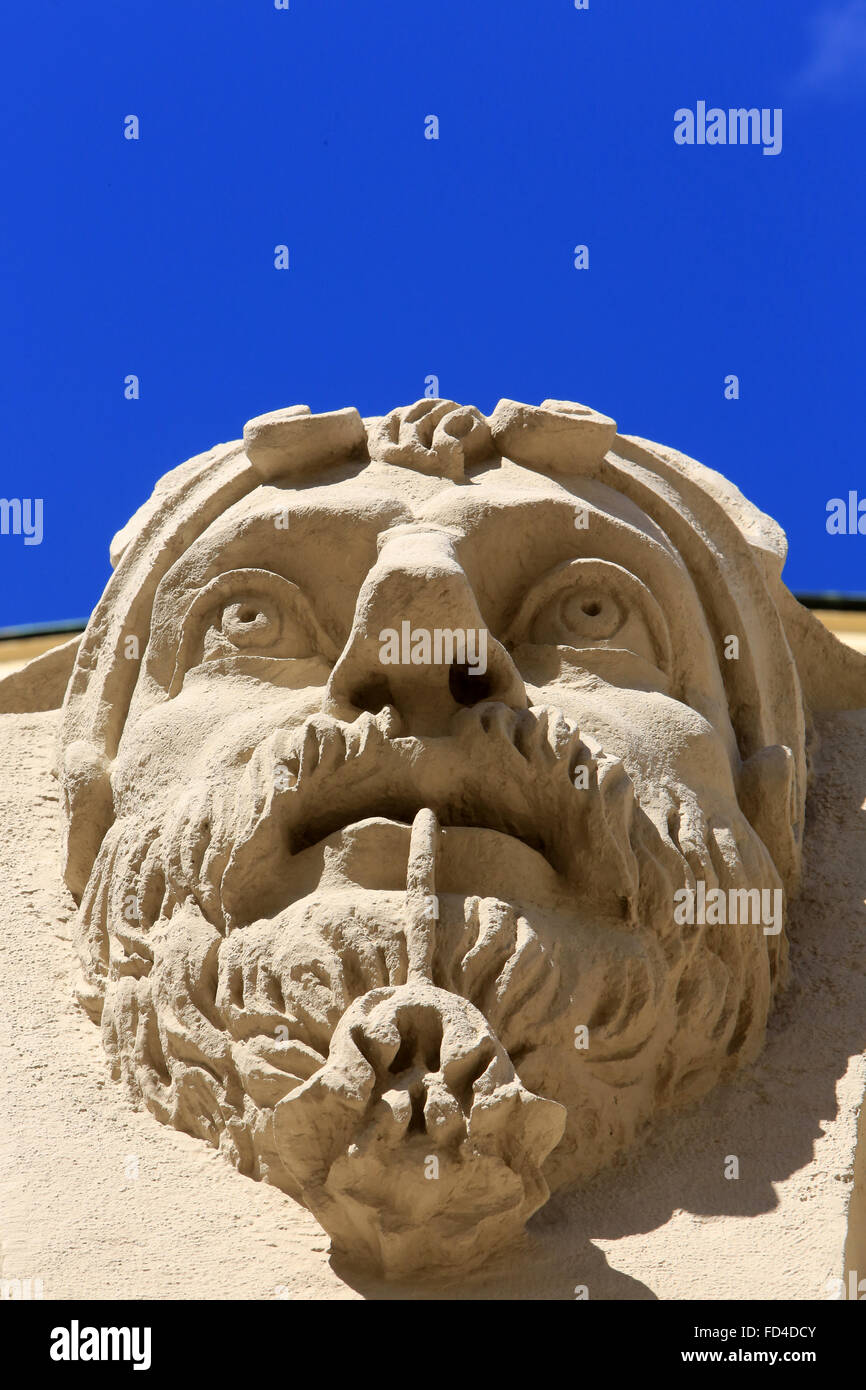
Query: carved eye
(593,605)
(247,614)
(252,622)
(579,614)
(267,615)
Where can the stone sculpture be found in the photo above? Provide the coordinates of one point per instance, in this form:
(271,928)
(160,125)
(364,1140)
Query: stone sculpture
(433,786)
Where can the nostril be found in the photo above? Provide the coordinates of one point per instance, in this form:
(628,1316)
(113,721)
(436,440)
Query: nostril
(469,686)
(373,696)
(417,1122)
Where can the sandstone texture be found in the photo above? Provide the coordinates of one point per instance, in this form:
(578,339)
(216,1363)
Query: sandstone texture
(457,825)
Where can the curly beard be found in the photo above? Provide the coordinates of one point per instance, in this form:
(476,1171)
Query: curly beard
(271,976)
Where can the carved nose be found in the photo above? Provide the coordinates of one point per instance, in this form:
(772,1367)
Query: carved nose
(418,641)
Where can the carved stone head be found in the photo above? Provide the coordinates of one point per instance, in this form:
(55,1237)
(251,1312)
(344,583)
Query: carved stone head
(434,787)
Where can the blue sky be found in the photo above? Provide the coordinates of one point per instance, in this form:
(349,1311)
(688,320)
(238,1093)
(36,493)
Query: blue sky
(412,257)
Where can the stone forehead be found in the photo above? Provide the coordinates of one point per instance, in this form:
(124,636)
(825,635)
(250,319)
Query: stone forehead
(381,497)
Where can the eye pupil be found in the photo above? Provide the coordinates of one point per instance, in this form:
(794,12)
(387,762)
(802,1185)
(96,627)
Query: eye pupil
(584,614)
(247,621)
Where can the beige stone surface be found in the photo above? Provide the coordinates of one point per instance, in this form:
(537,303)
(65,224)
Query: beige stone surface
(16,652)
(412,935)
(99,1202)
(849,626)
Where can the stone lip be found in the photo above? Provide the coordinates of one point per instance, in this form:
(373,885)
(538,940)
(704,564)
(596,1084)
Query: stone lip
(373,853)
(506,771)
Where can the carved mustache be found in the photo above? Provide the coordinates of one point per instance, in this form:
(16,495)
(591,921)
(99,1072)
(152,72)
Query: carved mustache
(525,773)
(506,770)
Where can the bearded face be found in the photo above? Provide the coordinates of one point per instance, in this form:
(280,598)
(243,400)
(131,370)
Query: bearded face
(400,935)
